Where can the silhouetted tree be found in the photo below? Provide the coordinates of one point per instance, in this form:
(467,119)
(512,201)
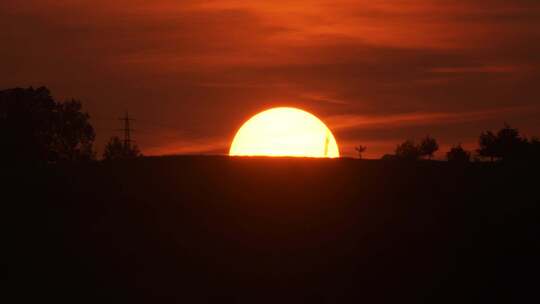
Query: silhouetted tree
(506,144)
(360,149)
(73,136)
(428,146)
(487,142)
(407,150)
(116,149)
(510,144)
(34,127)
(25,123)
(458,155)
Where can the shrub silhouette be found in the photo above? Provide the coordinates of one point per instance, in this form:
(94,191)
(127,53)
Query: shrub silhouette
(428,146)
(34,127)
(458,155)
(387,157)
(116,149)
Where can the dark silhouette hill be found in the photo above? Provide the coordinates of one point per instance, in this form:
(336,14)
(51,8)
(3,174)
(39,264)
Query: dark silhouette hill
(200,229)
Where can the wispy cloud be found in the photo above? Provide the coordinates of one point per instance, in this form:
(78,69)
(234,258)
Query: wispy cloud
(355,121)
(479,69)
(319,97)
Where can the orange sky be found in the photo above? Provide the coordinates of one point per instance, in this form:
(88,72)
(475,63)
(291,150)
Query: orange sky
(377,72)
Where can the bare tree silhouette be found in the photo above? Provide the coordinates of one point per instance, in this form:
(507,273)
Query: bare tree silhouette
(360,149)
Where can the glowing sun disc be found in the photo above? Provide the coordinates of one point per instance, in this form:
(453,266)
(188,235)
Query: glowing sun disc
(284,132)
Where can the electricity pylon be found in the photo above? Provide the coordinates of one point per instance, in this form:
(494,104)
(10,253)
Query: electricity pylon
(127,130)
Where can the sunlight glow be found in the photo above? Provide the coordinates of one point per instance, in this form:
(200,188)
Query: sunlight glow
(284,132)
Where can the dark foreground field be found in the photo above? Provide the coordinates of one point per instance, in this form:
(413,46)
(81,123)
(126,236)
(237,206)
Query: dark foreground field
(221,230)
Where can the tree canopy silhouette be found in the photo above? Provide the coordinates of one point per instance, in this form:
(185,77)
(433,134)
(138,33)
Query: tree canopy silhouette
(458,155)
(428,146)
(34,127)
(408,150)
(506,144)
(73,136)
(116,149)
(487,142)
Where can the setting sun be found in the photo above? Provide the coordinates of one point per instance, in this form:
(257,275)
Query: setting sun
(284,132)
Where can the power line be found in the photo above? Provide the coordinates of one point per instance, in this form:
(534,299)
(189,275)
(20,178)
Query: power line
(127,128)
(158,124)
(150,123)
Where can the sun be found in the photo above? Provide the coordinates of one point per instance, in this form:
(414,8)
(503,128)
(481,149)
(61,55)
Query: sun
(284,131)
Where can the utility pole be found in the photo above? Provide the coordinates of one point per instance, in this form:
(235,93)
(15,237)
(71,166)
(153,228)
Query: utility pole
(127,130)
(326,142)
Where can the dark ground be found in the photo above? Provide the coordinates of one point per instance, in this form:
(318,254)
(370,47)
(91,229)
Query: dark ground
(221,230)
